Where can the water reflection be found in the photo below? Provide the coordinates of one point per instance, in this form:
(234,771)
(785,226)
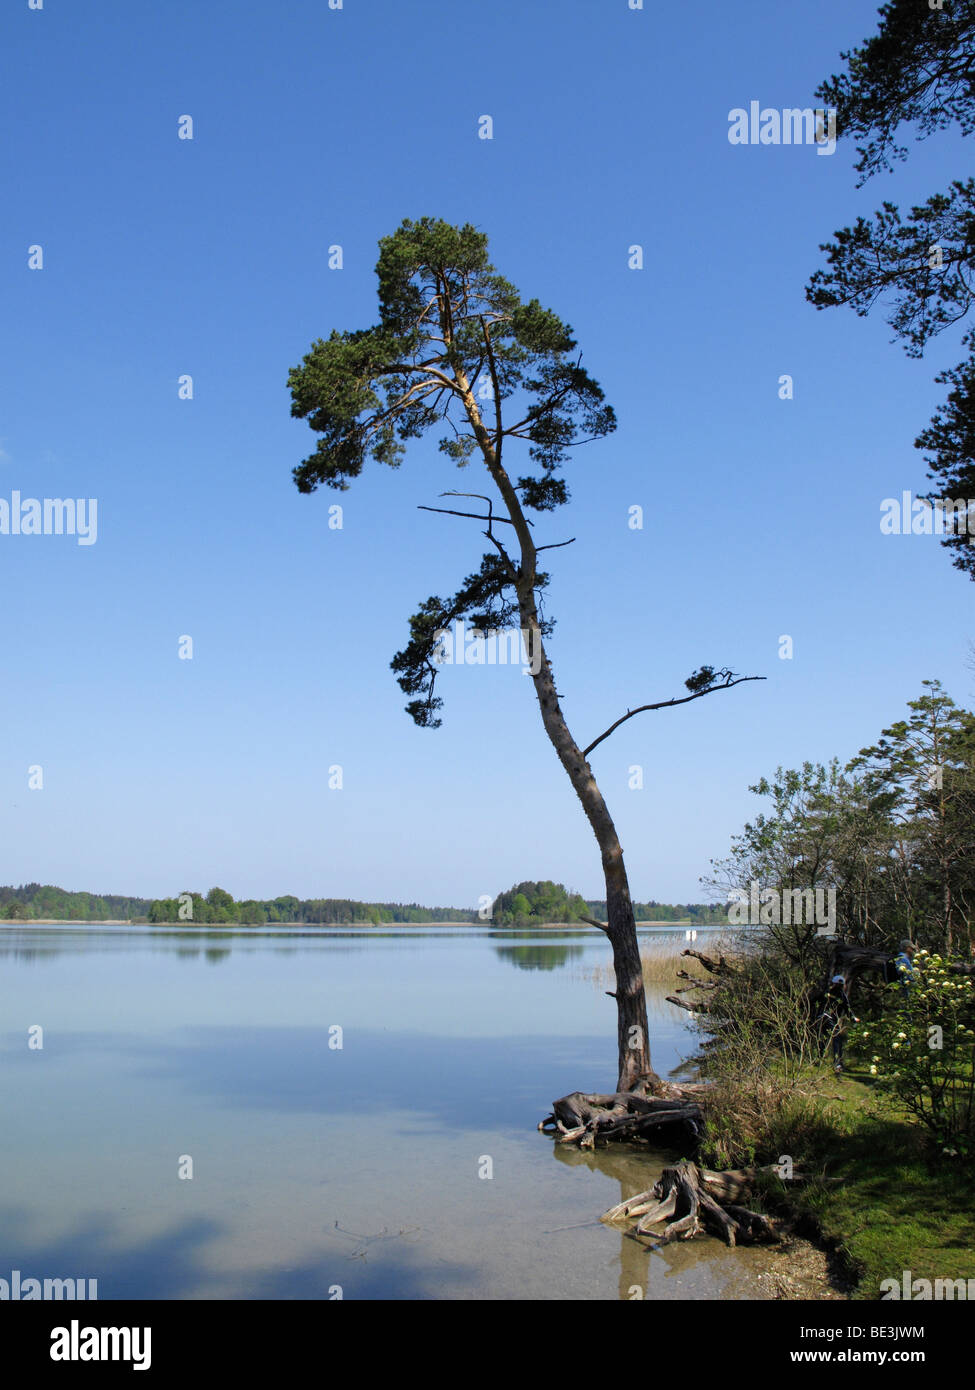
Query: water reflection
(538,957)
(449,1054)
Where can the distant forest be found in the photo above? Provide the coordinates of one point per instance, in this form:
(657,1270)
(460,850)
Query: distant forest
(34,900)
(530,904)
(526,904)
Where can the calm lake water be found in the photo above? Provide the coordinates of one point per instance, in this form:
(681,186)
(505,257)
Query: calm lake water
(314,1166)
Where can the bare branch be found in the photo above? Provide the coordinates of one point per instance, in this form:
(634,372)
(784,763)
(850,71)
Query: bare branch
(509,563)
(490,518)
(446,511)
(475,515)
(664,704)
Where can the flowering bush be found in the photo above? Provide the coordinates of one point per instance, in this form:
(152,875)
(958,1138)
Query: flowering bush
(922,1051)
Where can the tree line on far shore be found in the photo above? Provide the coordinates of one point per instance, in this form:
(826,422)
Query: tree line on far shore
(526,904)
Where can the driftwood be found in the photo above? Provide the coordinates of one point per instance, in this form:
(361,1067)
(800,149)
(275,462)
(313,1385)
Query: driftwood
(692,1200)
(713,967)
(582,1119)
(688,1200)
(719,967)
(683,1004)
(695,983)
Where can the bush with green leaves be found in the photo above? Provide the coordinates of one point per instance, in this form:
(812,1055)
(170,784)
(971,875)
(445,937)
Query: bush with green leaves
(922,1051)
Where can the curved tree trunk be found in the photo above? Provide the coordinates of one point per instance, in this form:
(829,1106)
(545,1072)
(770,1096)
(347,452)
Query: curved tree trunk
(635,1069)
(632,1032)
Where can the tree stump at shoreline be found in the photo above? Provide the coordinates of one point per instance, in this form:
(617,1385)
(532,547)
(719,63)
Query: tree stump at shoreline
(686,1198)
(582,1119)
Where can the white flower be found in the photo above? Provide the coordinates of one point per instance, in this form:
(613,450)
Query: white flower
(873,1071)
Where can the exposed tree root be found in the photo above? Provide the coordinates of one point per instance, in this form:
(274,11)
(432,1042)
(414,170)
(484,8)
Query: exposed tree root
(582,1119)
(692,1200)
(689,1199)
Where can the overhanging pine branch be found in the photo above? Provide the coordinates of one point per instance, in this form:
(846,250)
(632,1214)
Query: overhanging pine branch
(664,704)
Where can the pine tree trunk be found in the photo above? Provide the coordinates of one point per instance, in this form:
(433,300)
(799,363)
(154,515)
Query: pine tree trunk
(635,1067)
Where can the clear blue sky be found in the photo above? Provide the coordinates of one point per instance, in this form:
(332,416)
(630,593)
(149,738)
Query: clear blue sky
(164,256)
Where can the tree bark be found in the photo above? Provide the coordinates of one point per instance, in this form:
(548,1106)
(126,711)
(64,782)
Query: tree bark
(635,1070)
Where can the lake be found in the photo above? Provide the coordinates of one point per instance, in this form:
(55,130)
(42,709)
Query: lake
(319,1168)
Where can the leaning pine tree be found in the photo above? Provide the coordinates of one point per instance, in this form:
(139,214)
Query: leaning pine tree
(447,322)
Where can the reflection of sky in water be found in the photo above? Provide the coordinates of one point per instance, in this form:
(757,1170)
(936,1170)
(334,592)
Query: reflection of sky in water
(314,1166)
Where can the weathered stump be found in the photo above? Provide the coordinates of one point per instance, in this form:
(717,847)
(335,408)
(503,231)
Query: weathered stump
(686,1197)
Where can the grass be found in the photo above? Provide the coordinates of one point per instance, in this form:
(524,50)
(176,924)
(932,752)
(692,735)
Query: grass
(875,1189)
(658,968)
(896,1205)
(661,964)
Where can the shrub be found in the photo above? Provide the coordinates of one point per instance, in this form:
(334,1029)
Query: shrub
(922,1051)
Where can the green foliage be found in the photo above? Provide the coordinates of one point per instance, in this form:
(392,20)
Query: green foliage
(694,914)
(893,833)
(706,677)
(917,70)
(219,908)
(441,306)
(485,601)
(950,442)
(529,904)
(447,320)
(922,1051)
(33,901)
(926,298)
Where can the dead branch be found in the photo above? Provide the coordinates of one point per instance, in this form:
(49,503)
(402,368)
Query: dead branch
(718,967)
(665,704)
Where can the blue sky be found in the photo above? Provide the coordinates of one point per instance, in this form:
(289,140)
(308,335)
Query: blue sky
(314,127)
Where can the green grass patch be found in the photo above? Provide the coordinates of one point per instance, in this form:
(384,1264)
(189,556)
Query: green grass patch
(878,1190)
(883,1194)
(875,1188)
